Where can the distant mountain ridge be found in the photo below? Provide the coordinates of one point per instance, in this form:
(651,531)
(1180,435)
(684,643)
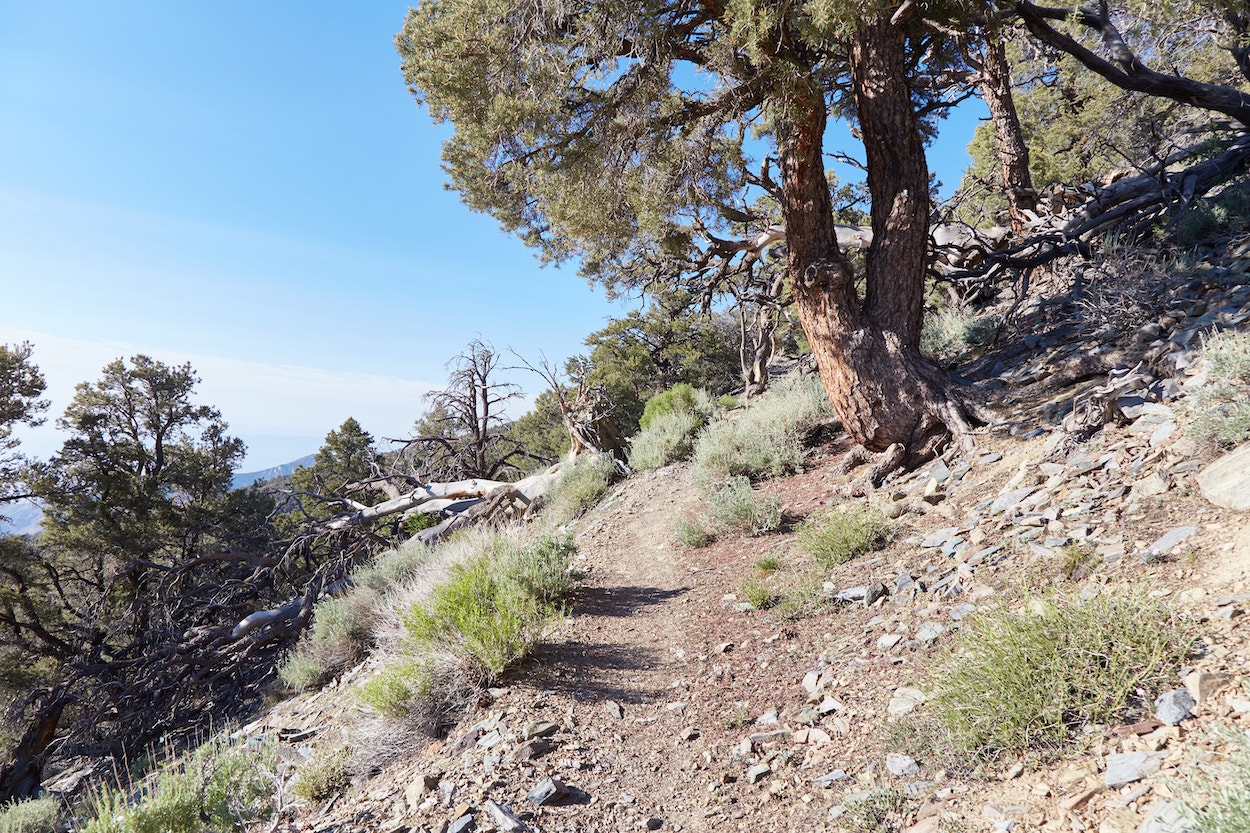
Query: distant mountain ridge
(247,478)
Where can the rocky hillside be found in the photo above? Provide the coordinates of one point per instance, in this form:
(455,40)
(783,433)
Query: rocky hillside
(744,686)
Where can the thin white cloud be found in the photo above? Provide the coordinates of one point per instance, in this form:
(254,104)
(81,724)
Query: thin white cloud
(274,408)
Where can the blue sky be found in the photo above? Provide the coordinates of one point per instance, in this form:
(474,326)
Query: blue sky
(249,187)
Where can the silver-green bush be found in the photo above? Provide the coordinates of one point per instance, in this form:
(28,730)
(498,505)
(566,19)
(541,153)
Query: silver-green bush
(767,439)
(581,485)
(221,788)
(36,815)
(1217,796)
(737,508)
(668,438)
(1220,410)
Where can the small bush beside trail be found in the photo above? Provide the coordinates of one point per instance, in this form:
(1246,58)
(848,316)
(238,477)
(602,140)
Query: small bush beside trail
(767,440)
(838,536)
(667,439)
(582,484)
(499,596)
(1021,679)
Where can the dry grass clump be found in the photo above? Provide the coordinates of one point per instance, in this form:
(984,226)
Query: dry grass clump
(581,485)
(1031,678)
(838,536)
(1220,410)
(325,775)
(950,334)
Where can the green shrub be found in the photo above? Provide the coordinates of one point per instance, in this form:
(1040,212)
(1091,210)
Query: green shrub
(499,595)
(220,788)
(36,815)
(542,569)
(693,534)
(399,689)
(581,485)
(759,595)
(737,508)
(1217,799)
(1220,410)
(949,334)
(768,438)
(325,775)
(666,439)
(838,536)
(493,621)
(1015,680)
(680,398)
(339,637)
(727,402)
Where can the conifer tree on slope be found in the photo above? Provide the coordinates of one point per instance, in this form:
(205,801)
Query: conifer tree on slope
(619,134)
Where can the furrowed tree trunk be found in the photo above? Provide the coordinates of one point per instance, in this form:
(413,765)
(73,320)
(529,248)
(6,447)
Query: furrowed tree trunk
(1013,152)
(887,395)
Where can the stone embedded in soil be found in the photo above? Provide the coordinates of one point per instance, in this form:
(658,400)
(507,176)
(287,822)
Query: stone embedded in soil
(1127,767)
(548,791)
(504,818)
(888,641)
(900,765)
(1226,482)
(1172,538)
(613,709)
(1202,685)
(929,632)
(1175,706)
(531,749)
(464,824)
(758,772)
(540,729)
(1166,818)
(905,701)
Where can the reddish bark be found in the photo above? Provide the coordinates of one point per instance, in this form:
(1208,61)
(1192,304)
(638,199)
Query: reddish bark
(887,395)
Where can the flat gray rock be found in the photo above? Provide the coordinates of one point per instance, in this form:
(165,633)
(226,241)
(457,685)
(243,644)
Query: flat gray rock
(1170,539)
(1125,768)
(1226,482)
(1166,818)
(548,791)
(1002,503)
(901,764)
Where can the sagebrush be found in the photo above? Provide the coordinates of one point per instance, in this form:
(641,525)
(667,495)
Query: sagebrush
(1031,678)
(768,439)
